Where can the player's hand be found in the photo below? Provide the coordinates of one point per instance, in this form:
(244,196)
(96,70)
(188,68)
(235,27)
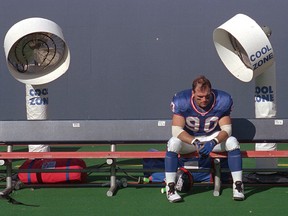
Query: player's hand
(207,148)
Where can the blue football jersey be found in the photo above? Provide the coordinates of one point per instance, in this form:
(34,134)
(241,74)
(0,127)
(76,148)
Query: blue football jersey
(199,122)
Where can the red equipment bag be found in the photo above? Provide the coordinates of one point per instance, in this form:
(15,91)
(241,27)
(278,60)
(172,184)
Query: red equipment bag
(52,177)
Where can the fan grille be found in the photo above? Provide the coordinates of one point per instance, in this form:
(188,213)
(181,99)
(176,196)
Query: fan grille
(240,51)
(37,52)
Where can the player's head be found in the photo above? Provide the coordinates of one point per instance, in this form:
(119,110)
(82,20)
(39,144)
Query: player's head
(201,91)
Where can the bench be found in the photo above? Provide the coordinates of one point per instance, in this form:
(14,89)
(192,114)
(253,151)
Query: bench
(117,132)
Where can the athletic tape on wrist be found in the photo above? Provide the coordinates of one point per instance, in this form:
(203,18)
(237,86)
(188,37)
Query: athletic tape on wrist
(194,140)
(216,140)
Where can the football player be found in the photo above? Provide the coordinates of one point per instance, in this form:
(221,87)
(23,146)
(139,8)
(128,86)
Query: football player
(201,122)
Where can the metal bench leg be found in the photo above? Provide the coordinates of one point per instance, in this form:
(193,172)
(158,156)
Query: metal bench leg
(112,163)
(217,177)
(8,164)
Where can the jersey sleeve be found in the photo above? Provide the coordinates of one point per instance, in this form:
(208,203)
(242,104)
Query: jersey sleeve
(226,103)
(180,103)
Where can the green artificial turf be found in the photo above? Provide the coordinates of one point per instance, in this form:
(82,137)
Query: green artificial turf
(145,200)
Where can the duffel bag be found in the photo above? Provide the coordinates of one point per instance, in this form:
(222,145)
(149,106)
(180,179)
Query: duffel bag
(52,177)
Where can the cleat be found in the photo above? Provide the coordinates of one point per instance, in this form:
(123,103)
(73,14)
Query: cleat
(172,194)
(238,191)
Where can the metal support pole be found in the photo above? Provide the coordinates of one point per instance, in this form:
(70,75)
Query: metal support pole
(37,109)
(265,107)
(112,163)
(217,177)
(8,164)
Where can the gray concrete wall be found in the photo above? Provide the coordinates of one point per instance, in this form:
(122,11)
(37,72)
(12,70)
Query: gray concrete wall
(129,57)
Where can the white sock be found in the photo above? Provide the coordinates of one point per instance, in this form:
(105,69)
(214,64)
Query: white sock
(170,177)
(237,176)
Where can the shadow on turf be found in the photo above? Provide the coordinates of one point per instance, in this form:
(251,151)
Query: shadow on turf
(250,191)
